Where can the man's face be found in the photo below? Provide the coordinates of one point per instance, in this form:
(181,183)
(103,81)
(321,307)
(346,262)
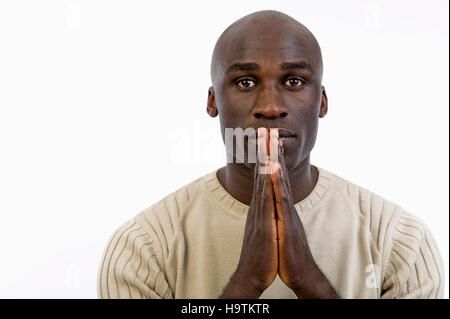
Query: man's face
(270,79)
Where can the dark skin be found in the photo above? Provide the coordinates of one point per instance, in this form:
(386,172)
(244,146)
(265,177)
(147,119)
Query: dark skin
(267,73)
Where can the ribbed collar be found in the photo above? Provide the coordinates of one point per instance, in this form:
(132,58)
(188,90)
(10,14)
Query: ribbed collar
(231,204)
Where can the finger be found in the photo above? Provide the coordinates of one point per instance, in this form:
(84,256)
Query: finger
(283,166)
(260,197)
(256,180)
(280,147)
(283,198)
(284,169)
(259,200)
(256,177)
(273,145)
(268,202)
(257,151)
(257,183)
(255,172)
(262,149)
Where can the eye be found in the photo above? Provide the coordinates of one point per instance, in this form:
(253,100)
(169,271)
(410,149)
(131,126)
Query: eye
(294,82)
(245,83)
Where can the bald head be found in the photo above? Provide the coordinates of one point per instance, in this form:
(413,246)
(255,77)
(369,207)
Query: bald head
(262,34)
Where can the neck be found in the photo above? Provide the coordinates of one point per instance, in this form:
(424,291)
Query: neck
(237,179)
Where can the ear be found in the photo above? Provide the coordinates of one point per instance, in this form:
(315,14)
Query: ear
(211,107)
(323,103)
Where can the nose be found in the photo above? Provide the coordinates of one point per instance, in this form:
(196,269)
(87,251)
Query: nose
(269,104)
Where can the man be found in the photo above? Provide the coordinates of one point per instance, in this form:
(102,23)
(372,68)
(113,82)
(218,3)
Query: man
(294,230)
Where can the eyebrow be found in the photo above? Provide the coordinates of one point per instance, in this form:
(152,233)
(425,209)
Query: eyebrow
(243,67)
(297,65)
(283,66)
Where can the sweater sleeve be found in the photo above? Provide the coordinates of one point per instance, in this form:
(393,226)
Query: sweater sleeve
(129,267)
(414,266)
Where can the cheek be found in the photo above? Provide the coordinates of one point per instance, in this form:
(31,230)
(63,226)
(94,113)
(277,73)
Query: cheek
(308,126)
(307,120)
(234,113)
(309,137)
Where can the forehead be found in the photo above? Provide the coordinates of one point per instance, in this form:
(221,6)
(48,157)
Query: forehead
(266,48)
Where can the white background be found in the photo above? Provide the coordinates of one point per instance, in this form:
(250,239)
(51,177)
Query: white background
(102,113)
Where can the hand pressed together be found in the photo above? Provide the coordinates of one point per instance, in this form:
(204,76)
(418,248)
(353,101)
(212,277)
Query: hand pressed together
(274,238)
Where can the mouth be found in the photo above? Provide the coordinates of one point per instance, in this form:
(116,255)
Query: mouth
(286,134)
(283,133)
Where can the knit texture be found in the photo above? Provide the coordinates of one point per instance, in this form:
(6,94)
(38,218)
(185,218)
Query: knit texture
(188,245)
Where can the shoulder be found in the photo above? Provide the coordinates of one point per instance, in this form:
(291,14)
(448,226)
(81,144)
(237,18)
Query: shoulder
(411,262)
(160,221)
(384,217)
(134,260)
(164,215)
(130,267)
(363,200)
(378,213)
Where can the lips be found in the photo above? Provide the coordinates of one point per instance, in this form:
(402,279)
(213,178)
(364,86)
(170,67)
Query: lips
(285,133)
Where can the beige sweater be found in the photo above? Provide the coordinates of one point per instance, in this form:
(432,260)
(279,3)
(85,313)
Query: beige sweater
(188,245)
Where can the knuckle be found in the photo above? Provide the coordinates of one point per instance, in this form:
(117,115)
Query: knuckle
(258,230)
(284,199)
(264,197)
